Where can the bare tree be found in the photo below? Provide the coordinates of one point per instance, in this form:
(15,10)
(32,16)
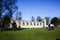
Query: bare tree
(19,15)
(47,20)
(39,18)
(32,18)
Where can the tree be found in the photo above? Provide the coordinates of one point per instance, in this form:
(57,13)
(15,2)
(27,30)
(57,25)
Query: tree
(7,8)
(59,20)
(0,9)
(19,15)
(9,5)
(14,24)
(32,18)
(47,20)
(5,21)
(39,18)
(55,21)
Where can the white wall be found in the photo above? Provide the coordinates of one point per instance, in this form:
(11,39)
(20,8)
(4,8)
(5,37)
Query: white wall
(30,24)
(23,24)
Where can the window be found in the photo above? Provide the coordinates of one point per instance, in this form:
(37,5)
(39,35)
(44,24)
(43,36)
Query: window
(31,23)
(40,23)
(34,23)
(37,23)
(27,23)
(23,23)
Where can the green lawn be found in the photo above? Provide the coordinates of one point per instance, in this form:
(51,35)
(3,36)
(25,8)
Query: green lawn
(30,34)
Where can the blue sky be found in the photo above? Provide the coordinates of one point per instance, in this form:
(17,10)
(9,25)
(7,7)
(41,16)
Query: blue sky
(42,8)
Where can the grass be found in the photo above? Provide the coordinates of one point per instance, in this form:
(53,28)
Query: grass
(30,34)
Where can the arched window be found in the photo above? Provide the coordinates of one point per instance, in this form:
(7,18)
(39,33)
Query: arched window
(27,23)
(31,23)
(37,23)
(34,23)
(23,23)
(40,23)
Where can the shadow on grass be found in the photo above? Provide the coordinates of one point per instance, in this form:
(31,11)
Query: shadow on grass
(57,39)
(12,29)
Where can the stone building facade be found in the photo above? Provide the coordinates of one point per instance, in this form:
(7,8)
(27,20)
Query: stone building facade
(29,24)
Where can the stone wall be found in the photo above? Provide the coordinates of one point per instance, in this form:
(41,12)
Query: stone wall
(30,24)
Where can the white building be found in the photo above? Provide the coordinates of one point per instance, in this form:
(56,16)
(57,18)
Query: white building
(29,24)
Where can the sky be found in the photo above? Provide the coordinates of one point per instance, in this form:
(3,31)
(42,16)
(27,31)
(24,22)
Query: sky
(42,8)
